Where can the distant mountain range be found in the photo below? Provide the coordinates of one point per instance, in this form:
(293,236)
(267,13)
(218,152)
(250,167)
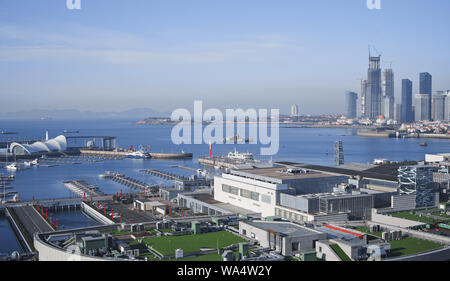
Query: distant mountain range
(136,113)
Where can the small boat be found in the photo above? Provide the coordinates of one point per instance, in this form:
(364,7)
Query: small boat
(424,143)
(35,162)
(12,167)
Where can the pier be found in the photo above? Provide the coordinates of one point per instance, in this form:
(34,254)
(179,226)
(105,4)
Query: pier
(83,189)
(164,175)
(126,181)
(220,162)
(123,154)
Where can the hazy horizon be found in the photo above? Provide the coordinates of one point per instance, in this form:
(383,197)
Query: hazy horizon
(114,56)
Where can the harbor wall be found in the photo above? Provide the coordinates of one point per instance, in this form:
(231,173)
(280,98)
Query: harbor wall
(95,214)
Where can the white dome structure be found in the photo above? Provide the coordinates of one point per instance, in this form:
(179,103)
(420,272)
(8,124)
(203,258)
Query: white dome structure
(57,144)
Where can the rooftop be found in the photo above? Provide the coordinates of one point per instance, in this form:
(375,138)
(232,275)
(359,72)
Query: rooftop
(285,228)
(384,172)
(280,173)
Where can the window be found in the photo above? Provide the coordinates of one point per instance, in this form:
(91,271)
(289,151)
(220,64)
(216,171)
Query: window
(249,194)
(295,246)
(244,232)
(265,198)
(230,189)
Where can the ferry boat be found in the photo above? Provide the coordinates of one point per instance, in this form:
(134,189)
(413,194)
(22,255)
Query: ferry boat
(240,156)
(70,132)
(138,155)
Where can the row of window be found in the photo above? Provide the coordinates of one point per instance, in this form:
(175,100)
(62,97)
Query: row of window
(289,215)
(241,192)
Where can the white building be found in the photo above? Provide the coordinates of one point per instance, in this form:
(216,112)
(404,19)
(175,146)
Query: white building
(259,189)
(294,110)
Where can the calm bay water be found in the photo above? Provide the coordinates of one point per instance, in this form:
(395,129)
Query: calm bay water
(297,145)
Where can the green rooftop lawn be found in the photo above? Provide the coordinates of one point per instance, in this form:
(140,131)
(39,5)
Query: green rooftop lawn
(166,230)
(407,215)
(366,229)
(410,246)
(166,245)
(340,252)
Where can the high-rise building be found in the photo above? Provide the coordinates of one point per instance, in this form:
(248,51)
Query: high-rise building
(363,97)
(294,110)
(421,105)
(418,180)
(350,104)
(438,106)
(398,112)
(407,110)
(388,104)
(447,106)
(425,87)
(372,99)
(338,153)
(388,100)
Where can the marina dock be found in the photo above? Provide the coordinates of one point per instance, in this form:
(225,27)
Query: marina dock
(83,189)
(164,175)
(126,181)
(121,154)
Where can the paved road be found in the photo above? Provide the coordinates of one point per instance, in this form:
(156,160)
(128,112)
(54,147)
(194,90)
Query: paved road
(31,220)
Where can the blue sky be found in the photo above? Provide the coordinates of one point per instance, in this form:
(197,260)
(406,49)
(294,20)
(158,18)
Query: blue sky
(116,54)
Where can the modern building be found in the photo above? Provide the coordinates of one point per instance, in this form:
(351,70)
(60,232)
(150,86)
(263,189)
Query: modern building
(259,189)
(438,106)
(351,104)
(363,97)
(287,238)
(447,106)
(388,96)
(422,107)
(406,109)
(338,153)
(398,112)
(357,206)
(56,145)
(426,89)
(373,92)
(418,180)
(294,110)
(201,202)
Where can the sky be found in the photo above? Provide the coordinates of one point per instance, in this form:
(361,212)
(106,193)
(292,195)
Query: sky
(114,55)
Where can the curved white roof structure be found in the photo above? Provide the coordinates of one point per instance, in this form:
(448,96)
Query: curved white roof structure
(57,144)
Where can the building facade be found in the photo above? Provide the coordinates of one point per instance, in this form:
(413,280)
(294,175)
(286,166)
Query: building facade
(426,89)
(351,104)
(418,180)
(406,109)
(438,106)
(373,92)
(422,107)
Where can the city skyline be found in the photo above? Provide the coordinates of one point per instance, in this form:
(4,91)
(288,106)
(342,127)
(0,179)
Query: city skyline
(112,55)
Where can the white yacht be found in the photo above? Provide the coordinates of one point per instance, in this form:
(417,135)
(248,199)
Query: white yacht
(240,156)
(12,167)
